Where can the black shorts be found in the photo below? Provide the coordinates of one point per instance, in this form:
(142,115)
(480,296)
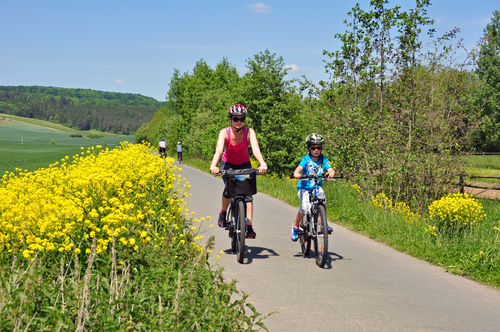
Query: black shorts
(226,166)
(161,150)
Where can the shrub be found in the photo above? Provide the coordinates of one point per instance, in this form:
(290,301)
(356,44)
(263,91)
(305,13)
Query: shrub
(456,212)
(103,242)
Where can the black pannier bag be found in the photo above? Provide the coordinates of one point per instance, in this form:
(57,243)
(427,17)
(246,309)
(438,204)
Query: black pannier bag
(241,182)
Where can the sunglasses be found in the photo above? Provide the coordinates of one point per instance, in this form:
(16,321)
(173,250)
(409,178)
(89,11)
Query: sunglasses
(316,147)
(242,119)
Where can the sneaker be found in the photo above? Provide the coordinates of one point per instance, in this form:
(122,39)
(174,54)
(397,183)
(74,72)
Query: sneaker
(250,232)
(294,234)
(222,219)
(330,230)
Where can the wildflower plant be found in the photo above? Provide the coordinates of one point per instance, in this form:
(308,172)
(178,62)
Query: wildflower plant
(108,238)
(382,201)
(456,213)
(101,194)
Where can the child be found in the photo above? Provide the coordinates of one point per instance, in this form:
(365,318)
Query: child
(179,152)
(314,163)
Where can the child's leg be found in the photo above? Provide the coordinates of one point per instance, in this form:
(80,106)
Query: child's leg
(298,219)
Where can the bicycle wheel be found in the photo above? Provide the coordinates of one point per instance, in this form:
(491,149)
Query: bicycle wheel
(305,239)
(240,231)
(231,228)
(321,243)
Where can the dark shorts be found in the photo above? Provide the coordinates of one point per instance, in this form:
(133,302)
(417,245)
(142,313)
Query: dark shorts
(226,166)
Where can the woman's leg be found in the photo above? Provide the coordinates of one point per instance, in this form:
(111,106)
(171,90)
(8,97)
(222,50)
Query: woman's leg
(249,213)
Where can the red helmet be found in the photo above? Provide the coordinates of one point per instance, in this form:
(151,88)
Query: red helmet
(237,109)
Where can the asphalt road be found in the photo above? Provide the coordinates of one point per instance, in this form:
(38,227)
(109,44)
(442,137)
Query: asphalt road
(365,286)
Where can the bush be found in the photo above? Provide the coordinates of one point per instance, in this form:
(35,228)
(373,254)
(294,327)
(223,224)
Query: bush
(104,243)
(456,212)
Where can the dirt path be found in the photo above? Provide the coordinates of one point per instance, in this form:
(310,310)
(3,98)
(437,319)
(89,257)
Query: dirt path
(493,191)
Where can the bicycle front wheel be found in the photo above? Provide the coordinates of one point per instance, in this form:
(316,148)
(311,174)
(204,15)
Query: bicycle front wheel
(240,231)
(305,239)
(321,243)
(231,228)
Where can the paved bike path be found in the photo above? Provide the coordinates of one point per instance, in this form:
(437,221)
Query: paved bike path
(366,286)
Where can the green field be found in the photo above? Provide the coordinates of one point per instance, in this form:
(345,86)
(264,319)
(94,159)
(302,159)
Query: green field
(31,144)
(487,165)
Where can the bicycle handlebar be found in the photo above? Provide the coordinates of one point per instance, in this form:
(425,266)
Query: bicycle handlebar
(313,177)
(234,172)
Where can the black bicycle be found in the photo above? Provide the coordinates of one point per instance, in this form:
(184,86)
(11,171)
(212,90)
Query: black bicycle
(314,226)
(240,183)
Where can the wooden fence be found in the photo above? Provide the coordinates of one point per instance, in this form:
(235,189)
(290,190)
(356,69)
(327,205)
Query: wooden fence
(464,184)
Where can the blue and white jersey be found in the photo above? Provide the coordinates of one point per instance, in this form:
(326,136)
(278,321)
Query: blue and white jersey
(311,167)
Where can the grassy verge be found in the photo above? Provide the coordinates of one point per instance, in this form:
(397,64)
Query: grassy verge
(104,242)
(474,254)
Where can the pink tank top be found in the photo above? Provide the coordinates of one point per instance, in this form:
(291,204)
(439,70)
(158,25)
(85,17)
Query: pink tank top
(236,154)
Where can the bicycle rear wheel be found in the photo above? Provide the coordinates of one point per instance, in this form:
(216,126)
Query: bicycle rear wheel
(240,231)
(305,239)
(321,243)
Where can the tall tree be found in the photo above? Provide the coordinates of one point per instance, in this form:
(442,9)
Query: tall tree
(388,110)
(488,70)
(275,110)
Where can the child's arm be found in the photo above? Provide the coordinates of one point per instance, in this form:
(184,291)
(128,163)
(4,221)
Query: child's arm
(329,169)
(331,173)
(298,172)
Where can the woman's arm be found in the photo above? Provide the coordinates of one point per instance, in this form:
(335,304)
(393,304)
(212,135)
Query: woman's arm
(219,148)
(256,151)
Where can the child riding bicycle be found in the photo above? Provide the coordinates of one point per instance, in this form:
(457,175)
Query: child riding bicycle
(232,146)
(314,163)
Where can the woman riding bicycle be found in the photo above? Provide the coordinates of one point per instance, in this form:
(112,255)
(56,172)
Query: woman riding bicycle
(162,148)
(232,145)
(314,163)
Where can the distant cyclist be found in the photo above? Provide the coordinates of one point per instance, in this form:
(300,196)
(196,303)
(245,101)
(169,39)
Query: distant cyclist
(162,148)
(232,145)
(179,152)
(314,163)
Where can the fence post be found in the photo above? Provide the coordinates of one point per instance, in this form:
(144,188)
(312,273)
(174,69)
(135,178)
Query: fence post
(461,183)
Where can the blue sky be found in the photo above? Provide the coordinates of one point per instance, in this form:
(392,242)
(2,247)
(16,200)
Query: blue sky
(134,46)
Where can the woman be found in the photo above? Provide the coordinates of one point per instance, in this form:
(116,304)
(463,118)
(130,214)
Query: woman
(232,145)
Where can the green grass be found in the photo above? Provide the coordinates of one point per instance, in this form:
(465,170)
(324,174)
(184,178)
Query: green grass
(475,255)
(31,144)
(32,156)
(489,162)
(488,165)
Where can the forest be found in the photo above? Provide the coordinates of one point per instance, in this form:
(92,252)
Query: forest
(396,113)
(81,109)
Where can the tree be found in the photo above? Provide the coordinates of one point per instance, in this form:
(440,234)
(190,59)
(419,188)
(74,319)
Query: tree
(275,111)
(393,117)
(488,70)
